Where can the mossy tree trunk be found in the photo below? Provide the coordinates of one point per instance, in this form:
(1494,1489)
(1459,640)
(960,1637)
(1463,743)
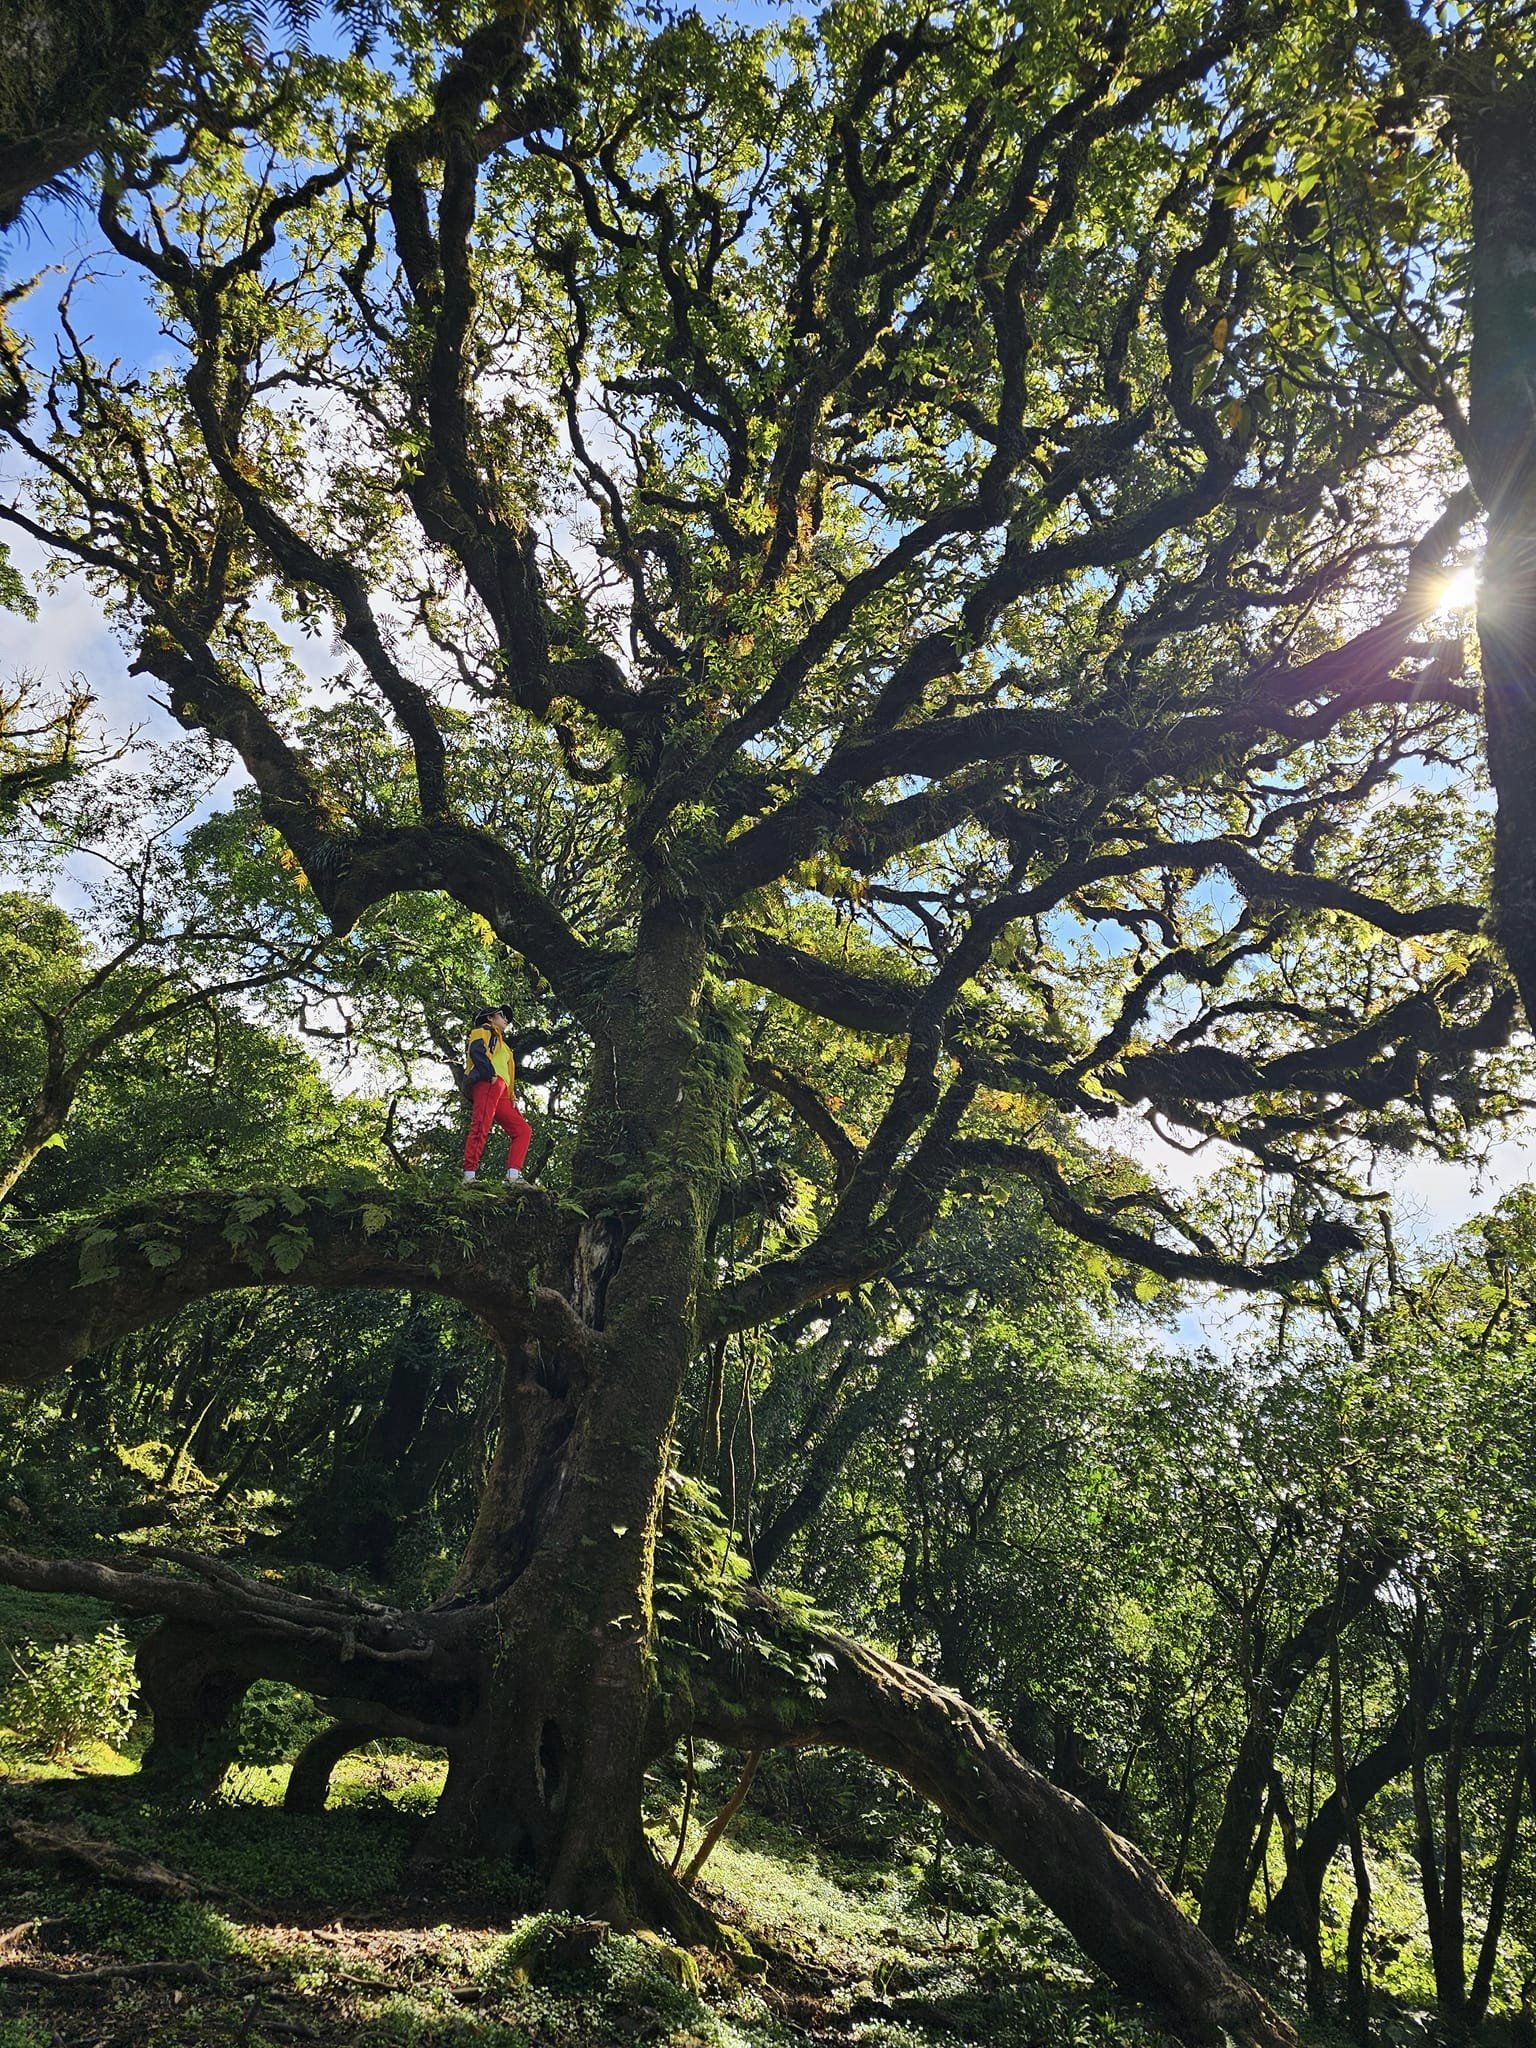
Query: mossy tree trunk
(561,1560)
(815,1686)
(68,69)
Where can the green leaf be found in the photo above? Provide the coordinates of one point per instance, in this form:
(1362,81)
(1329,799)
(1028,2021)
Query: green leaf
(289,1249)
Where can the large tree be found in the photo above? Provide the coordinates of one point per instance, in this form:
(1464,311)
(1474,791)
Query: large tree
(888,479)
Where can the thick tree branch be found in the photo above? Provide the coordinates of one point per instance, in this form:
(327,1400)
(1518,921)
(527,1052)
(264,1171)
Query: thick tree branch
(351,869)
(215,1596)
(1099,1885)
(1325,1239)
(812,1112)
(136,1265)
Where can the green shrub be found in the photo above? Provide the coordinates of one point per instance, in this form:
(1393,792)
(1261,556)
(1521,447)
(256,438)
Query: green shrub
(25,2033)
(150,1930)
(337,1859)
(275,1723)
(72,1693)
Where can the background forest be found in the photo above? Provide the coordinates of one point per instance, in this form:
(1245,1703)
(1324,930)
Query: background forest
(912,576)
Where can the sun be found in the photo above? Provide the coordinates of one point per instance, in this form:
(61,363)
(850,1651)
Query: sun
(1458,591)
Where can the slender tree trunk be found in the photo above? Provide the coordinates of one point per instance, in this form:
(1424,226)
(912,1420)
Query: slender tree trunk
(1428,1854)
(724,1817)
(1260,1856)
(1224,1893)
(1498,1891)
(256,1438)
(43,1124)
(1440,1864)
(830,1448)
(1303,1928)
(1451,1990)
(1357,1997)
(1295,1911)
(1189,1801)
(198,1426)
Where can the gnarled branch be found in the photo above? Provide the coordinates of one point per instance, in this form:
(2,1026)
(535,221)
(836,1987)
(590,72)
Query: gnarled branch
(1100,1886)
(135,1265)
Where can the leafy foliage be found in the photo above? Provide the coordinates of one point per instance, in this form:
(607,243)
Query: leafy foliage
(71,1694)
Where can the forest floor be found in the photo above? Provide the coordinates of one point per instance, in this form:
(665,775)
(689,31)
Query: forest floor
(858,1925)
(307,1929)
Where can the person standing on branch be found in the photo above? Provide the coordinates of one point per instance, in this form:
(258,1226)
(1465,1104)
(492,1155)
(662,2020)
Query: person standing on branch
(491,1070)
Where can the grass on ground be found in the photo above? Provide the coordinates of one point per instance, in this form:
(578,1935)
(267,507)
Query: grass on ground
(310,1930)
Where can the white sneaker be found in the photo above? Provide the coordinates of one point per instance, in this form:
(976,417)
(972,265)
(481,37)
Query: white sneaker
(514,1175)
(468,1176)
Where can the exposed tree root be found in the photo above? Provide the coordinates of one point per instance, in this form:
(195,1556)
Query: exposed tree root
(168,1972)
(68,1849)
(309,1782)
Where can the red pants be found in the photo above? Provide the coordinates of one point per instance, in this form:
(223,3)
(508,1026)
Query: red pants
(493,1105)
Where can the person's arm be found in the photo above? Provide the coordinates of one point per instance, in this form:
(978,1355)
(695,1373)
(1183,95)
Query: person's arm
(480,1068)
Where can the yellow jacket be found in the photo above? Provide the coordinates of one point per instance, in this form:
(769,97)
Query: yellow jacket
(488,1056)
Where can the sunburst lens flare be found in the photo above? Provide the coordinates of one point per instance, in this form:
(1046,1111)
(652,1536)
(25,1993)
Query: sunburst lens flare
(1458,591)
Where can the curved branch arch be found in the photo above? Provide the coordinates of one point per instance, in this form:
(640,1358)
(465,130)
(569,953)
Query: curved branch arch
(136,1265)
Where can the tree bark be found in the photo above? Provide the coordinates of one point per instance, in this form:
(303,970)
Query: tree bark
(1495,123)
(68,70)
(1427,1854)
(1099,1885)
(309,1781)
(1224,1893)
(44,1122)
(551,1764)
(193,1692)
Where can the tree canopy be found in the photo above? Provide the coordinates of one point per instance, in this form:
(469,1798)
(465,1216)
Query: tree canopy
(900,581)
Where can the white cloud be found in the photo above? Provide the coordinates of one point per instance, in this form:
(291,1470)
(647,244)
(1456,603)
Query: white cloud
(70,638)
